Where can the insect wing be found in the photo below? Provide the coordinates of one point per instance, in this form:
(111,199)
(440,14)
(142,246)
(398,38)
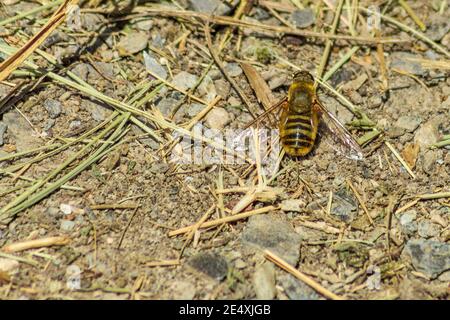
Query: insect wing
(342,141)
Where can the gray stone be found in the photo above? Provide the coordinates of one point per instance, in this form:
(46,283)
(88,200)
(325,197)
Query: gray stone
(408,123)
(159,167)
(293,205)
(265,232)
(429,257)
(303,18)
(3,128)
(98,111)
(297,290)
(75,125)
(264,282)
(217,118)
(166,106)
(193,109)
(440,26)
(158,41)
(215,7)
(54,38)
(106,69)
(9,265)
(53,211)
(67,225)
(19,131)
(53,108)
(91,21)
(211,264)
(150,142)
(143,24)
(260,14)
(233,69)
(82,70)
(184,80)
(152,65)
(403,61)
(207,89)
(278,81)
(132,43)
(429,161)
(182,290)
(427,229)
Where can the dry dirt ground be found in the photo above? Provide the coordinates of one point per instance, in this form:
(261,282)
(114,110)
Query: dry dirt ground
(119,215)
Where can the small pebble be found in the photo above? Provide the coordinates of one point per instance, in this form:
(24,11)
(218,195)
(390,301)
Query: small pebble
(297,290)
(159,167)
(294,205)
(9,265)
(439,27)
(67,225)
(408,223)
(400,61)
(278,236)
(215,7)
(91,21)
(223,87)
(144,24)
(66,208)
(182,290)
(152,65)
(264,282)
(278,81)
(53,108)
(233,69)
(132,43)
(75,124)
(99,112)
(303,18)
(409,123)
(426,135)
(240,264)
(184,80)
(166,105)
(428,257)
(193,109)
(211,264)
(344,206)
(426,229)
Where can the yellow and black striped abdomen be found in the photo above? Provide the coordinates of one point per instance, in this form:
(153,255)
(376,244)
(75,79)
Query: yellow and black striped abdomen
(298,132)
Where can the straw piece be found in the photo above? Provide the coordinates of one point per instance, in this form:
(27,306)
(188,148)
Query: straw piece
(302,277)
(38,243)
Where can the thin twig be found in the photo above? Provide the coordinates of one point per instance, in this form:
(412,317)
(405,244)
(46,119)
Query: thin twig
(302,277)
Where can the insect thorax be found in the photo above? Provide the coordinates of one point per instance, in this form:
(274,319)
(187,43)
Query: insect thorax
(300,97)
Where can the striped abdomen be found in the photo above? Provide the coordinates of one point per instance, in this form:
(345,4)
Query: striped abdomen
(298,132)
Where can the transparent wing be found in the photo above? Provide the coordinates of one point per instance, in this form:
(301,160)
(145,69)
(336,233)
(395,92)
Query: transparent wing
(341,140)
(266,113)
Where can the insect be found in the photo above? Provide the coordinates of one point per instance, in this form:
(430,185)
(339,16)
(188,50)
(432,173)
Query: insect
(301,115)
